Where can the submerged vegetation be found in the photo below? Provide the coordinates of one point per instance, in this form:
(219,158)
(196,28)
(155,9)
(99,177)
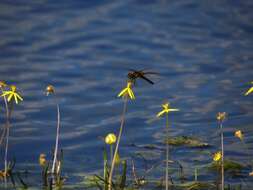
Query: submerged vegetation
(9,96)
(188,141)
(121,173)
(165,111)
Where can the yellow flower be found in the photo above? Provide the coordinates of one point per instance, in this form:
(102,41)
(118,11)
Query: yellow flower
(110,138)
(166,109)
(217,156)
(221,116)
(12,94)
(239,134)
(49,90)
(249,91)
(2,84)
(42,160)
(127,91)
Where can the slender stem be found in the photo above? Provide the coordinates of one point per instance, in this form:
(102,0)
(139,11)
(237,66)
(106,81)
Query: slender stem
(111,152)
(222,157)
(167,152)
(56,140)
(105,162)
(6,133)
(6,153)
(117,144)
(134,173)
(6,105)
(7,117)
(3,134)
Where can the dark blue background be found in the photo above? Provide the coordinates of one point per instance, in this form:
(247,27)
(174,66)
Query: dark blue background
(202,50)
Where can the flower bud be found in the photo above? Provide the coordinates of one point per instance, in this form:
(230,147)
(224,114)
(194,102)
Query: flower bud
(221,116)
(239,134)
(49,90)
(110,138)
(42,160)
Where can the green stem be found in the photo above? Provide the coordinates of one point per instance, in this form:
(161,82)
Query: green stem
(56,140)
(111,152)
(117,144)
(6,134)
(7,117)
(222,157)
(105,170)
(167,152)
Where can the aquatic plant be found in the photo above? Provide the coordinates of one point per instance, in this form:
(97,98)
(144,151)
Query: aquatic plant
(230,166)
(239,134)
(3,85)
(12,94)
(9,96)
(166,109)
(126,93)
(45,167)
(189,141)
(197,185)
(57,160)
(102,182)
(249,91)
(111,139)
(120,182)
(221,116)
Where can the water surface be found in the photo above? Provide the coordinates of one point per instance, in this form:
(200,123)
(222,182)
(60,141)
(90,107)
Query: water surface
(202,50)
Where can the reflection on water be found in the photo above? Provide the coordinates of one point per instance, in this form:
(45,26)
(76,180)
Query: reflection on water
(85,48)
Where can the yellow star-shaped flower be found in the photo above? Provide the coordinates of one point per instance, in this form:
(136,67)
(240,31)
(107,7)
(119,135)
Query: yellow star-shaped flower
(249,91)
(217,156)
(12,94)
(166,109)
(127,91)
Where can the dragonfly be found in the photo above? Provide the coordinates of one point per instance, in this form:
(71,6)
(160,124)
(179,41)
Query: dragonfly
(135,74)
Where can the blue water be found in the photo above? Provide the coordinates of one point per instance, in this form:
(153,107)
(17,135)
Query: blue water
(202,50)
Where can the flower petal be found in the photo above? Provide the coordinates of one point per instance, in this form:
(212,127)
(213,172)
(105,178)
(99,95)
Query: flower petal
(249,91)
(131,94)
(172,109)
(122,92)
(10,97)
(15,97)
(160,113)
(19,97)
(5,93)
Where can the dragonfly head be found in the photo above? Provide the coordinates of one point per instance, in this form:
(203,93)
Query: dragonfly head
(131,75)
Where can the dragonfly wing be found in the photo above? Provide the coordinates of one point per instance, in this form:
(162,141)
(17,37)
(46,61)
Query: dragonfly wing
(151,73)
(145,78)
